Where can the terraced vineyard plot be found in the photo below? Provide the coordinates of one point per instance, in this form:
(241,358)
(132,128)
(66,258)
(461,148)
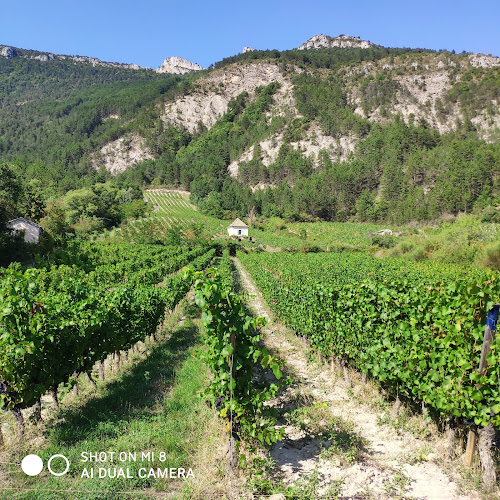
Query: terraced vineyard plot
(167,200)
(173,208)
(169,209)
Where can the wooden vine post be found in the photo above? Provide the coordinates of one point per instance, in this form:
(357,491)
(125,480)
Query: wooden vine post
(484,435)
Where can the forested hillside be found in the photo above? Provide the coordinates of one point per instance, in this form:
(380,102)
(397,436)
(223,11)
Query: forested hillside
(341,134)
(54,114)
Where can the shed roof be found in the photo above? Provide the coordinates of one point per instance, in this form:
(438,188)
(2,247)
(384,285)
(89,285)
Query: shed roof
(22,219)
(238,223)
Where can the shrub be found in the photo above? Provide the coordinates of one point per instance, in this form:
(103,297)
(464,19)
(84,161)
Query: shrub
(384,240)
(490,214)
(232,247)
(308,248)
(492,258)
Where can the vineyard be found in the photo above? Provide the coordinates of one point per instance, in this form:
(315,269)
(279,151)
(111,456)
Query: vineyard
(100,299)
(415,329)
(169,209)
(418,329)
(60,320)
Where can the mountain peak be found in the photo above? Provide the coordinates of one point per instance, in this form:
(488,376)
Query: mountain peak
(342,41)
(178,65)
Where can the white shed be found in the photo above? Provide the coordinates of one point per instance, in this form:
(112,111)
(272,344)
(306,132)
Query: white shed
(237,228)
(31,230)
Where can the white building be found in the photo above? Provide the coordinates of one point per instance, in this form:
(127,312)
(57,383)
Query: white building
(237,228)
(31,230)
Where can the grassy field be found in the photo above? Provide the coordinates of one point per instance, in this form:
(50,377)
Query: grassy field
(325,235)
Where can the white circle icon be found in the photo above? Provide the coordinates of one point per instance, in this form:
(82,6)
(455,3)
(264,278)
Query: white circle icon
(58,473)
(32,465)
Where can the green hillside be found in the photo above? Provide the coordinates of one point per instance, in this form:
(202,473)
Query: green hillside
(341,135)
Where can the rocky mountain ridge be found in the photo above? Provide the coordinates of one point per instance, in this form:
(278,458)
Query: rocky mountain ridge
(341,41)
(178,66)
(11,52)
(173,65)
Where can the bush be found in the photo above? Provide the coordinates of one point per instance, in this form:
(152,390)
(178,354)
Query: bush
(233,247)
(219,247)
(490,214)
(88,225)
(403,248)
(308,248)
(384,240)
(492,259)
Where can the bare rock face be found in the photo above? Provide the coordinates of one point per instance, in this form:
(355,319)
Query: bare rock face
(342,41)
(44,57)
(7,52)
(124,152)
(483,61)
(209,101)
(94,61)
(310,145)
(178,66)
(248,49)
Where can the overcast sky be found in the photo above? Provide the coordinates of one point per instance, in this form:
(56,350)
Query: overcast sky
(206,31)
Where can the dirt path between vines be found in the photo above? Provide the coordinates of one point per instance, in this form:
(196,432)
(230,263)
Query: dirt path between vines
(395,463)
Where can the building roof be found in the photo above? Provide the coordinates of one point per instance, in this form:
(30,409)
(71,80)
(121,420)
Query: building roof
(238,223)
(22,219)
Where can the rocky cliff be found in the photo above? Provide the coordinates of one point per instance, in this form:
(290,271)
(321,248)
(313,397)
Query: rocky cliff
(178,65)
(342,41)
(7,51)
(212,93)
